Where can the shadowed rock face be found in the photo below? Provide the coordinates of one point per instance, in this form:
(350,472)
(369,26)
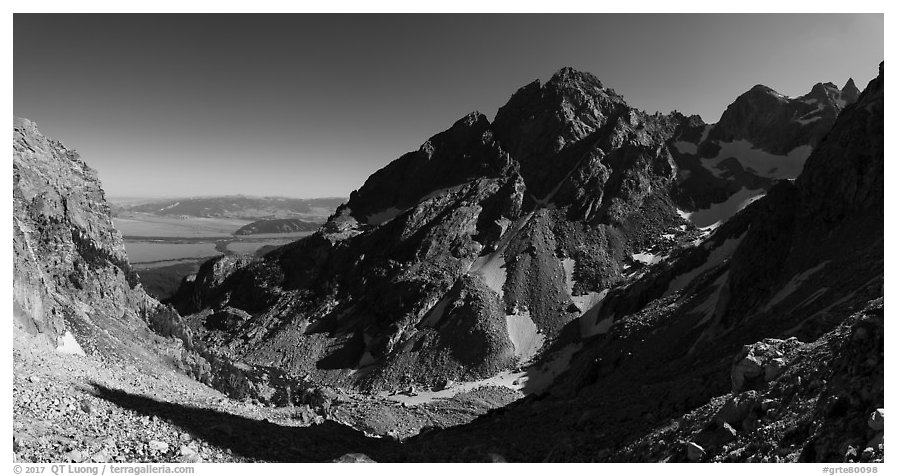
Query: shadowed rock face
(776,123)
(834,209)
(762,137)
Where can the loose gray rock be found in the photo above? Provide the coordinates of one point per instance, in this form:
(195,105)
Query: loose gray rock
(877,420)
(354,458)
(160,446)
(695,452)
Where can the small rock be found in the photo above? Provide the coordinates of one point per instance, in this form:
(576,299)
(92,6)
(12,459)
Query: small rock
(867,455)
(850,455)
(160,446)
(187,454)
(354,458)
(774,368)
(194,458)
(695,452)
(75,456)
(877,420)
(101,456)
(496,458)
(85,406)
(737,408)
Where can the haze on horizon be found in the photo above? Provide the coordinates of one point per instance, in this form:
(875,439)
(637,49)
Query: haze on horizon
(310,105)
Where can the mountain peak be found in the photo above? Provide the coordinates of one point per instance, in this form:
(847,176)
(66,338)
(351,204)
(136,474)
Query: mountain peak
(569,75)
(23,124)
(762,88)
(823,91)
(850,93)
(472,118)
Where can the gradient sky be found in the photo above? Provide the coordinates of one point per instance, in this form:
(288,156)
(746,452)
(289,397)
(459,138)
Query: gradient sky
(310,105)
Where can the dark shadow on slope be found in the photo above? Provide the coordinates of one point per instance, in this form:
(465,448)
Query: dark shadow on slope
(255,439)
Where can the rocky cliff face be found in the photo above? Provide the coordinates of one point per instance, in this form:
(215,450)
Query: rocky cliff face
(73,287)
(70,266)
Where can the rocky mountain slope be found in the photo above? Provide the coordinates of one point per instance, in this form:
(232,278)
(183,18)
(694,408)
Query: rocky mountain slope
(763,342)
(465,258)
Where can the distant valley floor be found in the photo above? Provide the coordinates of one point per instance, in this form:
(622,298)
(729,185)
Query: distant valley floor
(164,249)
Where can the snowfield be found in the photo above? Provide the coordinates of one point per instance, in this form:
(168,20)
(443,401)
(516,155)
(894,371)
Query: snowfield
(719,212)
(759,161)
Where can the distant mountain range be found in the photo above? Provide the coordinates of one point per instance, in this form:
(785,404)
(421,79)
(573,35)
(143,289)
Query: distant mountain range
(234,206)
(278,225)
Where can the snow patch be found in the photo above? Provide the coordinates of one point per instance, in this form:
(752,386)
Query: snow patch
(508,379)
(707,308)
(720,212)
(492,270)
(524,335)
(803,119)
(804,122)
(686,147)
(793,285)
(648,258)
(705,133)
(591,307)
(762,163)
(67,344)
(538,379)
(534,380)
(717,256)
(434,317)
(569,265)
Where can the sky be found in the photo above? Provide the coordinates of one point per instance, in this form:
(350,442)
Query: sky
(310,105)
